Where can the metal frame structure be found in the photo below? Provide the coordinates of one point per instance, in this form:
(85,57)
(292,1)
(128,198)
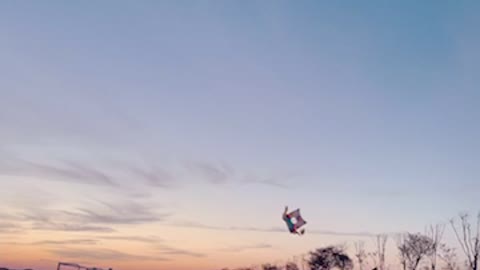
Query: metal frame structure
(78,267)
(3,268)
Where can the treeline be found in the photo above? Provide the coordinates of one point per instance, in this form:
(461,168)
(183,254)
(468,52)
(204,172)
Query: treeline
(414,249)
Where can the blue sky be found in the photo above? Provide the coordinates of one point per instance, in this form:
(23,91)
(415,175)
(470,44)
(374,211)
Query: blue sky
(349,110)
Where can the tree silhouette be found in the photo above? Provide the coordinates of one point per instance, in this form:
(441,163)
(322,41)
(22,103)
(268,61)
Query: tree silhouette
(329,257)
(381,242)
(270,267)
(448,256)
(435,234)
(413,248)
(291,266)
(470,243)
(360,253)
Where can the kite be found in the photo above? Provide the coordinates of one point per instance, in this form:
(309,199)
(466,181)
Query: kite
(294,221)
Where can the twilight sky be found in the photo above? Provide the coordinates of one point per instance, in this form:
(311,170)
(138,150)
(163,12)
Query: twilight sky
(171,134)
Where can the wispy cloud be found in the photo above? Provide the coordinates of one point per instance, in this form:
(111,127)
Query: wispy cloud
(167,250)
(97,239)
(103,255)
(223,173)
(93,219)
(62,171)
(4,225)
(338,233)
(123,213)
(230,228)
(271,229)
(155,177)
(57,242)
(67,242)
(7,227)
(141,239)
(54,220)
(215,174)
(74,171)
(246,247)
(71,227)
(272,181)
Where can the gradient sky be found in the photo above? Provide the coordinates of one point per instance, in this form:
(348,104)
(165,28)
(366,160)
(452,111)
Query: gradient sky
(171,134)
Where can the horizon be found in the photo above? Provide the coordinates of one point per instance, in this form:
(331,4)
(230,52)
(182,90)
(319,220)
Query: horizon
(172,134)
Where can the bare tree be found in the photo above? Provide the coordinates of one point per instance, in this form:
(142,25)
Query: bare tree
(401,253)
(448,256)
(378,256)
(291,266)
(360,253)
(373,256)
(413,248)
(470,244)
(270,267)
(435,233)
(381,245)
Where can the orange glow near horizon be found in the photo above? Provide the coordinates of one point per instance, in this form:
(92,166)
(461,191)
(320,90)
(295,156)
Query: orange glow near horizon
(209,249)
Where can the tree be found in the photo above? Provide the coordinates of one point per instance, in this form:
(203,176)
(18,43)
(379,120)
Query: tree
(270,267)
(413,248)
(448,256)
(373,257)
(360,253)
(381,244)
(291,266)
(435,233)
(378,256)
(470,244)
(329,257)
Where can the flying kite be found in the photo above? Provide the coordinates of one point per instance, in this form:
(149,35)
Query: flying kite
(294,221)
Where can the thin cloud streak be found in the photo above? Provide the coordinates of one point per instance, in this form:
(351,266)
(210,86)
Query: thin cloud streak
(103,255)
(69,171)
(272,229)
(88,242)
(166,250)
(41,220)
(212,173)
(141,239)
(4,225)
(67,242)
(7,227)
(93,219)
(125,213)
(154,178)
(244,248)
(71,227)
(54,220)
(77,172)
(268,182)
(223,173)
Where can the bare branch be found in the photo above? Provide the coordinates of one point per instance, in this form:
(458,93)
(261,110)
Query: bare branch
(413,247)
(435,233)
(360,253)
(469,244)
(457,235)
(449,256)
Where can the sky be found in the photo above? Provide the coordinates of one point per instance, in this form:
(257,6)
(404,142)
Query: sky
(172,134)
